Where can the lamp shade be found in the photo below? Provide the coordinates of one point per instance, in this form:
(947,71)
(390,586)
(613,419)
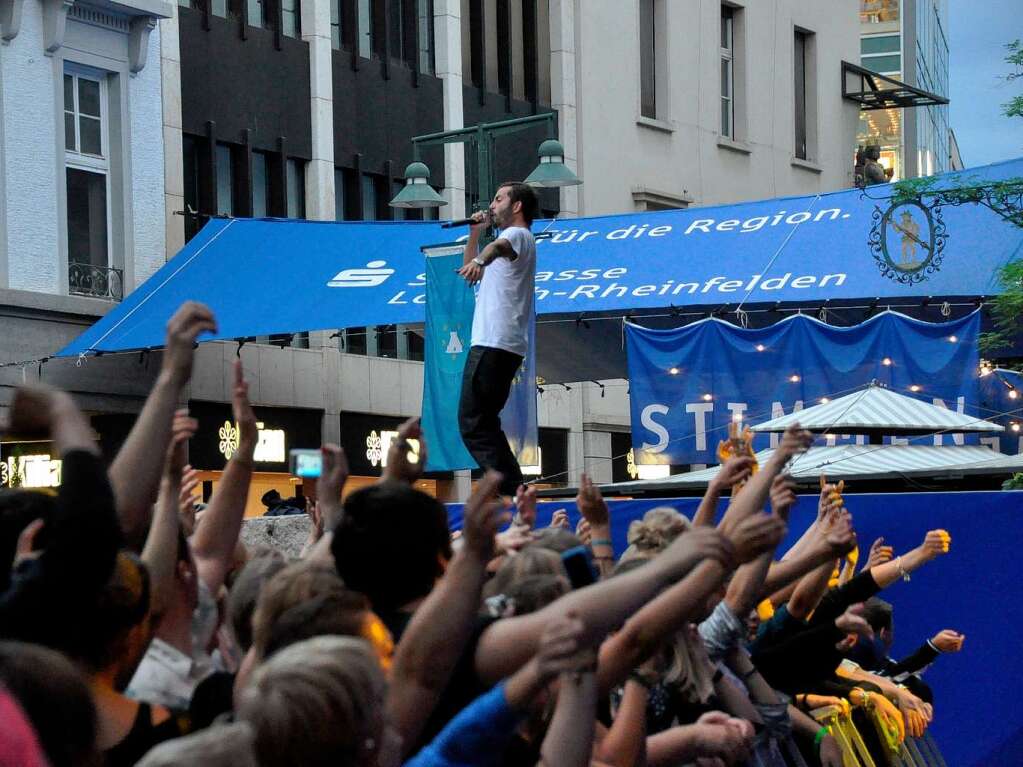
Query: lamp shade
(552,171)
(417,192)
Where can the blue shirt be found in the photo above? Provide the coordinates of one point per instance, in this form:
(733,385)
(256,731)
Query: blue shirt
(476,737)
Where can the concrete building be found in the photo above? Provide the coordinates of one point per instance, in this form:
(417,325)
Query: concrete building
(306,108)
(906,40)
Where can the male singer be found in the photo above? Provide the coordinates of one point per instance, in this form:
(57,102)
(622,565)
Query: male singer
(505,270)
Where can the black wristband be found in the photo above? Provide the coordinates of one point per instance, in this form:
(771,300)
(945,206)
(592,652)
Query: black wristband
(644,681)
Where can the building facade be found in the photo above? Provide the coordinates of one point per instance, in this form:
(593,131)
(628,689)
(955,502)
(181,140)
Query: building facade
(307,108)
(907,40)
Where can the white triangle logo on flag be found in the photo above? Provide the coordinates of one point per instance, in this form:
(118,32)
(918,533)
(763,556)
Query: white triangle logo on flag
(454,343)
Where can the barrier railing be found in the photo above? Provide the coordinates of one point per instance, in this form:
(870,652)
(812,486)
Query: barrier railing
(885,752)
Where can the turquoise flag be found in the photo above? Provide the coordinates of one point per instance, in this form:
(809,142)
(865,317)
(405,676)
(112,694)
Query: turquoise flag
(450,303)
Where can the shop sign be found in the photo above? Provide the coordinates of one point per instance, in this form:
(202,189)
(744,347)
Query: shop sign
(270,447)
(30,471)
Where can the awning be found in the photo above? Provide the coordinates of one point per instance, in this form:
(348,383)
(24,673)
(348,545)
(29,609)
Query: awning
(876,91)
(877,409)
(857,462)
(266,276)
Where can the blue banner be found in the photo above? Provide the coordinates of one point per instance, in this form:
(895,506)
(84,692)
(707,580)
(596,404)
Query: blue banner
(828,247)
(448,334)
(688,384)
(1001,401)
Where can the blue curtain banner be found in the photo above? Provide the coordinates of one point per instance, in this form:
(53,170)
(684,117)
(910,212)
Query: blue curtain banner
(1001,401)
(688,384)
(329,275)
(448,333)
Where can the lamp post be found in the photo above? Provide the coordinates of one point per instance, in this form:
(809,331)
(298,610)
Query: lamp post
(551,172)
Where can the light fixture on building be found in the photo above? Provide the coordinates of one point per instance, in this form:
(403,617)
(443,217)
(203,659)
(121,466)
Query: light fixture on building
(1015,426)
(707,397)
(887,361)
(417,192)
(794,378)
(915,387)
(674,371)
(825,400)
(1013,394)
(552,171)
(760,347)
(953,339)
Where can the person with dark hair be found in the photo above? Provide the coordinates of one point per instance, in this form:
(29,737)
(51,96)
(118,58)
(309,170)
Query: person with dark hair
(505,270)
(55,697)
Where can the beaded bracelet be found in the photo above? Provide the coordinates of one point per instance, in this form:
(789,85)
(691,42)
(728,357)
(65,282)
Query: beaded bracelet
(822,733)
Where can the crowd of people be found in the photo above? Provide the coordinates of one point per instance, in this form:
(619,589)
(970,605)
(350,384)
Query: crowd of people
(137,629)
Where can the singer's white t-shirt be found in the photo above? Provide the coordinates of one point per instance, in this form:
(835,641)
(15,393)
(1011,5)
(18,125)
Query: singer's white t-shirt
(504,300)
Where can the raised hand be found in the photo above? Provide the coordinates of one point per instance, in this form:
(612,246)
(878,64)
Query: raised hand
(840,538)
(879,553)
(936,543)
(948,640)
(34,408)
(783,496)
(186,499)
(560,648)
(584,532)
(735,471)
(333,475)
(794,441)
(484,513)
(560,519)
(852,622)
(754,535)
(525,506)
(183,428)
(183,329)
(244,417)
(399,466)
(591,503)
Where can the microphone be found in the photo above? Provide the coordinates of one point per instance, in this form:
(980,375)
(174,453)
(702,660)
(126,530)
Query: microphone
(462,222)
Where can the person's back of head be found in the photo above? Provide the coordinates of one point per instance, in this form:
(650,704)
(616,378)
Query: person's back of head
(304,600)
(878,614)
(392,544)
(121,631)
(318,702)
(532,560)
(534,592)
(55,697)
(18,508)
(241,601)
(229,745)
(655,532)
(556,539)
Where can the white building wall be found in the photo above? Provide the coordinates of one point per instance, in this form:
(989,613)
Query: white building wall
(146,188)
(30,141)
(681,152)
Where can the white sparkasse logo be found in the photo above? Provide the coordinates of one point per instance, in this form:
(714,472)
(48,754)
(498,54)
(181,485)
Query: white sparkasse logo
(370,276)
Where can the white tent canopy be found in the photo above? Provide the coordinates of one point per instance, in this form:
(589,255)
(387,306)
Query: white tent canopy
(877,409)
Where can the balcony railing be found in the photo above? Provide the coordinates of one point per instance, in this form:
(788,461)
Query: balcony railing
(95,281)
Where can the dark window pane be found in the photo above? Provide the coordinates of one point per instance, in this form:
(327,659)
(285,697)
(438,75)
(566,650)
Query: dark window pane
(369,198)
(799,69)
(260,184)
(355,340)
(88,97)
(69,131)
(387,341)
(86,217)
(647,60)
(365,28)
(335,23)
(726,27)
(339,194)
(69,93)
(296,189)
(225,185)
(190,157)
(256,13)
(883,64)
(89,129)
(416,346)
(291,17)
(884,44)
(426,60)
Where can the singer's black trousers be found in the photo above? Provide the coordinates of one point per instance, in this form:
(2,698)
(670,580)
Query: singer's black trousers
(486,383)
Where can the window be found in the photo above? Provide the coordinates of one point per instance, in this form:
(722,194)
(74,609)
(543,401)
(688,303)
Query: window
(366,36)
(257,13)
(879,11)
(87,168)
(727,72)
(882,54)
(336,22)
(225,181)
(291,18)
(387,341)
(426,35)
(296,188)
(369,197)
(647,60)
(799,69)
(190,176)
(260,184)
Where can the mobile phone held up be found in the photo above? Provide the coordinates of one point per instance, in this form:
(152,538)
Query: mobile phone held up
(306,463)
(579,566)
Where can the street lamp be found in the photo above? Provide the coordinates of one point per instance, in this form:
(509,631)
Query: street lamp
(551,172)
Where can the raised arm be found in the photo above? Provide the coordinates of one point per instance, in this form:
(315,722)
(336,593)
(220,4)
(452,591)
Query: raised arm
(161,550)
(833,540)
(137,468)
(215,537)
(604,606)
(440,629)
(593,507)
(936,543)
(734,470)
